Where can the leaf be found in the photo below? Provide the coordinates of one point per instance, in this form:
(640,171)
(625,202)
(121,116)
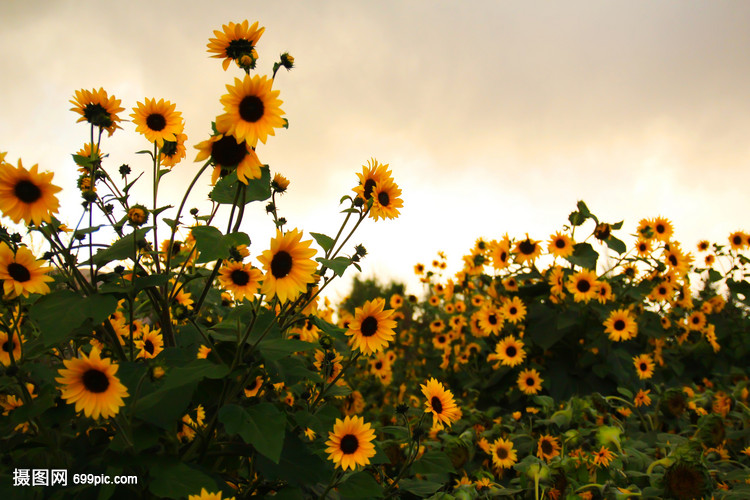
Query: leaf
(325,242)
(616,245)
(298,465)
(418,487)
(121,249)
(584,255)
(262,426)
(213,245)
(178,480)
(337,265)
(433,462)
(60,312)
(360,485)
(275,349)
(225,190)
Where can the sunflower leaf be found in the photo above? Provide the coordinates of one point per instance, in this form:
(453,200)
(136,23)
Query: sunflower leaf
(225,191)
(325,242)
(616,245)
(360,485)
(262,426)
(337,265)
(584,255)
(121,249)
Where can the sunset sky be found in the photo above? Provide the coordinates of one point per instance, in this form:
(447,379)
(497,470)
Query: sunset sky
(495,117)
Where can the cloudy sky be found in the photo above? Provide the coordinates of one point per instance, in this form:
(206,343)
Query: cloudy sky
(494,117)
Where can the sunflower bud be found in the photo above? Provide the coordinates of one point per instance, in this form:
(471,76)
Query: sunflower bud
(193,212)
(602,231)
(137,215)
(287,60)
(124,169)
(401,409)
(325,342)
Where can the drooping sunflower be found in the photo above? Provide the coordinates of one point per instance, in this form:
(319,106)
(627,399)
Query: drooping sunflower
(440,403)
(503,454)
(548,447)
(644,366)
(236,42)
(97,108)
(620,325)
(684,479)
(150,344)
(157,121)
(386,200)
(582,285)
(90,153)
(527,250)
(514,310)
(22,273)
(253,387)
(252,110)
(205,495)
(351,443)
(27,194)
(227,154)
(172,152)
(372,174)
(288,265)
(508,351)
(243,280)
(372,327)
(7,347)
(90,383)
(560,245)
(529,381)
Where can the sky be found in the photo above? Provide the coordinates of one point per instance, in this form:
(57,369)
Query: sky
(494,117)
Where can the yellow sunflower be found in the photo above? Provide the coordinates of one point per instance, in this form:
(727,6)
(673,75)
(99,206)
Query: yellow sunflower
(236,42)
(89,152)
(372,327)
(157,121)
(644,366)
(227,154)
(205,495)
(583,286)
(253,387)
(662,228)
(386,200)
(560,245)
(514,310)
(6,348)
(440,403)
(97,108)
(243,280)
(503,454)
(508,351)
(329,363)
(90,383)
(527,250)
(252,110)
(548,447)
(500,253)
(529,381)
(350,443)
(738,240)
(27,194)
(620,325)
(372,174)
(603,457)
(22,273)
(150,344)
(288,265)
(490,319)
(643,247)
(172,152)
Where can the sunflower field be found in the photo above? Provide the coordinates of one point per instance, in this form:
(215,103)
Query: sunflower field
(148,352)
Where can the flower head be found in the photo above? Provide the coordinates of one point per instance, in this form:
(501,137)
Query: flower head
(97,108)
(350,443)
(27,195)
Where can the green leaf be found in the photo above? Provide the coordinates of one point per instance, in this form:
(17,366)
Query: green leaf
(360,485)
(584,255)
(213,245)
(121,249)
(418,487)
(262,426)
(433,462)
(298,465)
(275,349)
(616,245)
(60,312)
(325,242)
(178,480)
(337,265)
(225,190)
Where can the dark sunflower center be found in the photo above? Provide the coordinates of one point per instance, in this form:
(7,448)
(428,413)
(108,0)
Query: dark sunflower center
(281,264)
(662,290)
(227,153)
(148,346)
(96,115)
(526,247)
(383,198)
(673,260)
(560,243)
(18,272)
(642,247)
(502,453)
(492,319)
(513,311)
(176,247)
(27,191)
(169,148)
(696,319)
(619,325)
(511,351)
(369,186)
(643,367)
(252,386)
(379,365)
(240,277)
(8,346)
(369,326)
(437,405)
(503,256)
(547,447)
(95,381)
(156,122)
(441,339)
(583,286)
(238,48)
(737,240)
(530,381)
(349,444)
(251,108)
(660,228)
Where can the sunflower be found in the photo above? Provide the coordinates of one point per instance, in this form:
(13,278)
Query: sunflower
(499,253)
(371,327)
(227,154)
(440,403)
(151,343)
(27,194)
(527,250)
(172,152)
(662,228)
(6,348)
(560,245)
(252,110)
(662,291)
(243,280)
(620,325)
(137,215)
(644,366)
(350,443)
(279,183)
(508,351)
(236,42)
(97,108)
(643,247)
(738,240)
(288,265)
(603,457)
(380,365)
(583,285)
(548,447)
(604,292)
(386,200)
(90,383)
(678,261)
(205,495)
(642,398)
(490,319)
(22,273)
(372,174)
(91,154)
(503,454)
(441,341)
(696,320)
(157,121)
(329,363)
(529,381)
(514,310)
